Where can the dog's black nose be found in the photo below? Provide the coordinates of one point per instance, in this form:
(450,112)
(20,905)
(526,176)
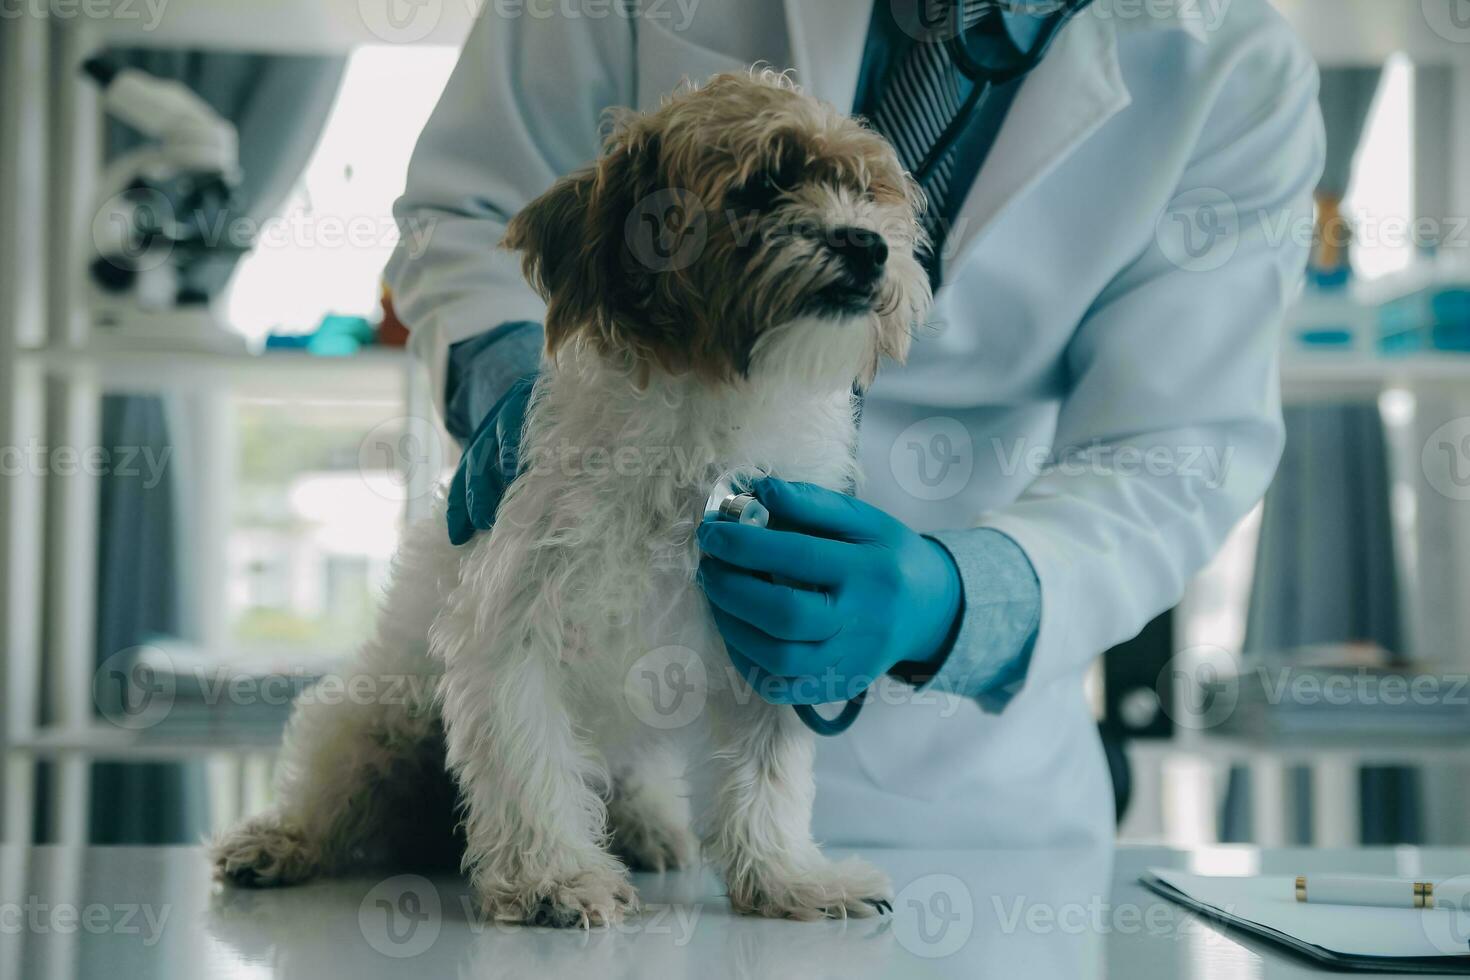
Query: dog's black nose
(863,251)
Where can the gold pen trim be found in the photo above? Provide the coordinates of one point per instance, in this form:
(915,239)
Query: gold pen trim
(1423,894)
(1301,888)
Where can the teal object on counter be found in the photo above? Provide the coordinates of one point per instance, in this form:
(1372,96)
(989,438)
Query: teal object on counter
(1432,319)
(1326,337)
(1451,311)
(335,336)
(340,335)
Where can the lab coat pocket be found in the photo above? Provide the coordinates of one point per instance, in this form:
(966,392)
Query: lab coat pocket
(905,740)
(665,59)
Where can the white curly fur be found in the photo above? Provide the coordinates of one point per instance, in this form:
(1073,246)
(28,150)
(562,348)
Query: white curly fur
(526,636)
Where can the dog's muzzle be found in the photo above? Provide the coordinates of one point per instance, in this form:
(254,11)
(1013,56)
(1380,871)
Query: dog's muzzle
(863,255)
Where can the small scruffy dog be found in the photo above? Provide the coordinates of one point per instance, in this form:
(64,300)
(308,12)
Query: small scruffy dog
(518,663)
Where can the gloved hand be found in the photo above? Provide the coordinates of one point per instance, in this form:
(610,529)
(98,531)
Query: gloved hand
(489,464)
(871,594)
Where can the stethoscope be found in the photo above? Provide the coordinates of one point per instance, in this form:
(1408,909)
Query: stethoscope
(728,501)
(987,76)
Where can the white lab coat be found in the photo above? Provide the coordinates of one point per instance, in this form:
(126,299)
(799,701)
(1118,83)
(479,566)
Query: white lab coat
(1074,313)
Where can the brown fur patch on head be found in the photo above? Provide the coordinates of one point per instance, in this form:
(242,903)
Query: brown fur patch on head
(717,217)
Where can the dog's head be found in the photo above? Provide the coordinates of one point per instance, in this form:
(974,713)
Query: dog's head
(739,225)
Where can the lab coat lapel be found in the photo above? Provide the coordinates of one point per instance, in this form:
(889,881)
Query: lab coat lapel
(827,39)
(1076,88)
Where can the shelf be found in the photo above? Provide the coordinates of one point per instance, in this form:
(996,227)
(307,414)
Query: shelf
(105,743)
(1329,376)
(1361,750)
(371,375)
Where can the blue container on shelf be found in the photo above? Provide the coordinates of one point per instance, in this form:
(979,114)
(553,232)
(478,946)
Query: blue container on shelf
(1402,324)
(1450,309)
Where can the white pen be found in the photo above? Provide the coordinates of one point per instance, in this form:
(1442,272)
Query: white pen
(1392,893)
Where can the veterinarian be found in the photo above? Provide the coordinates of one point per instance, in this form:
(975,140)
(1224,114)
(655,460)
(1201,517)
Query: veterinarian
(1093,407)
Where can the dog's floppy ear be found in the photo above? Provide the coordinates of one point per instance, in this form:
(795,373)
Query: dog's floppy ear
(571,238)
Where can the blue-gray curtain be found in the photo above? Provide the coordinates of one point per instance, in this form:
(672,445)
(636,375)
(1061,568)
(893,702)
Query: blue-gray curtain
(1325,569)
(279,104)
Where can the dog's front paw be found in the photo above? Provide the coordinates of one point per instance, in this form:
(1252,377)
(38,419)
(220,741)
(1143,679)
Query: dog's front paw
(590,898)
(262,853)
(827,889)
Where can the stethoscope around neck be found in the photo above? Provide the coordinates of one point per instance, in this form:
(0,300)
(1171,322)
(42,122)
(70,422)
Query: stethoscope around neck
(986,76)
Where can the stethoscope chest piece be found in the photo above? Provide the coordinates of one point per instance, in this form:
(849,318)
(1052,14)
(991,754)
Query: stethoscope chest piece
(729,501)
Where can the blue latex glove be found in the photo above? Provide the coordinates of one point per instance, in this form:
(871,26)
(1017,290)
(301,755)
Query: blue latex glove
(489,464)
(871,594)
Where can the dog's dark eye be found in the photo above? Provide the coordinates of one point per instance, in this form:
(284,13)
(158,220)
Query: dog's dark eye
(757,193)
(763,187)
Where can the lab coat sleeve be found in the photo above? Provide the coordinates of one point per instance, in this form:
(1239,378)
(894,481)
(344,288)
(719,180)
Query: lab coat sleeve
(996,634)
(523,106)
(1172,428)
